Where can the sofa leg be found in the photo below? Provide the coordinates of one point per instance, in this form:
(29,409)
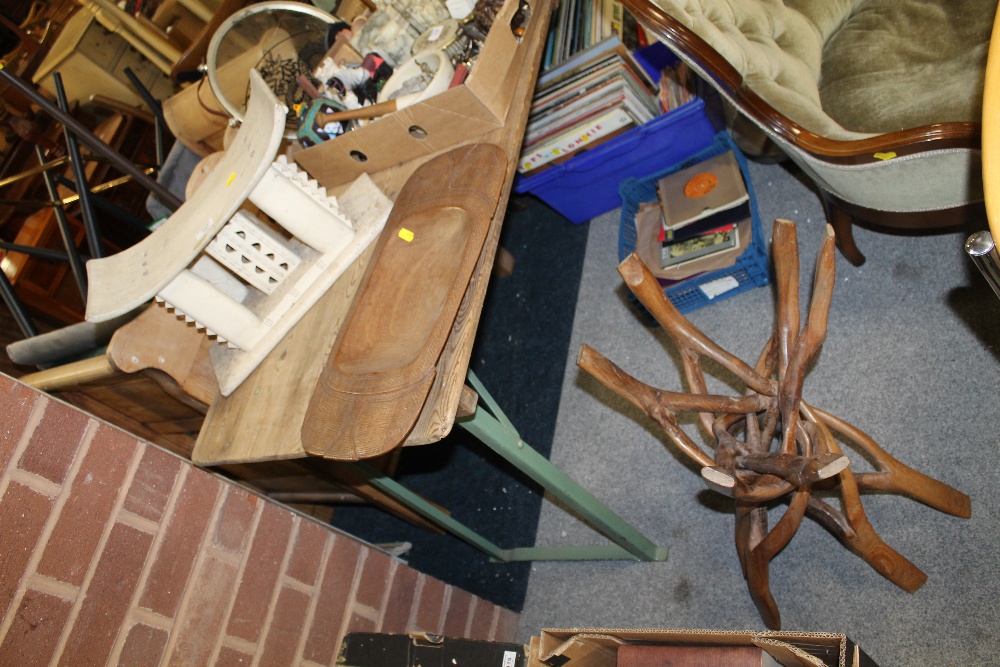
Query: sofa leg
(843,227)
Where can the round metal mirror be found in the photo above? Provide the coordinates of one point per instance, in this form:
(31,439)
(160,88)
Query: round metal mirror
(282,40)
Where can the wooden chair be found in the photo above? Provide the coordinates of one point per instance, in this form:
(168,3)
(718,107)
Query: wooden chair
(47,287)
(887,141)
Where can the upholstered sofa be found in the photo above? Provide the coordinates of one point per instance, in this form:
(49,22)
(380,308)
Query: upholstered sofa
(879,101)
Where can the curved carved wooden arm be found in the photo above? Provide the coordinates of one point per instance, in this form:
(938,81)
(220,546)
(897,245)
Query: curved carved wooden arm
(685,335)
(662,405)
(808,343)
(865,542)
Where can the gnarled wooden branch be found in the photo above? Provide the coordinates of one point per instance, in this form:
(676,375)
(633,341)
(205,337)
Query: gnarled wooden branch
(788,446)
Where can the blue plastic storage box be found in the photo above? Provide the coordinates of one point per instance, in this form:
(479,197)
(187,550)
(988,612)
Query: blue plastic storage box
(586,185)
(751,268)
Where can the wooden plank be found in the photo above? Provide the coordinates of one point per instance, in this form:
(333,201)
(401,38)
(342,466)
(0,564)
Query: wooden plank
(438,416)
(260,421)
(467,402)
(158,339)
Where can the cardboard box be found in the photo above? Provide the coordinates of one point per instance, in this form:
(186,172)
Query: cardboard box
(599,647)
(455,117)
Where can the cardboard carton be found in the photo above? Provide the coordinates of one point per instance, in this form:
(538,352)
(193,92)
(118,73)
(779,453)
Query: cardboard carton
(610,648)
(599,647)
(455,117)
(364,649)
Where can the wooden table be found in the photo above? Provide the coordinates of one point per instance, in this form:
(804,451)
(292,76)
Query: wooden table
(261,420)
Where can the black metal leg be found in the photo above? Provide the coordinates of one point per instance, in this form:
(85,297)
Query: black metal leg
(16,307)
(107,206)
(168,198)
(73,255)
(43,253)
(76,161)
(160,126)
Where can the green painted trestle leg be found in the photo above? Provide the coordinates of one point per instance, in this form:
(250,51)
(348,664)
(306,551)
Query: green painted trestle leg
(494,430)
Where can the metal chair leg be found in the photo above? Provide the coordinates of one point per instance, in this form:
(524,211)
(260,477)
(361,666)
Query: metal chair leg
(9,297)
(160,124)
(76,162)
(168,198)
(73,255)
(983,251)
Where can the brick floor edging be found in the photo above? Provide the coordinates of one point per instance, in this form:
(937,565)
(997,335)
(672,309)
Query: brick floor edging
(117,552)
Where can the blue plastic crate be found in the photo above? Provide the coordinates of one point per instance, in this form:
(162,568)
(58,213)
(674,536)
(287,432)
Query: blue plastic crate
(654,58)
(586,185)
(751,268)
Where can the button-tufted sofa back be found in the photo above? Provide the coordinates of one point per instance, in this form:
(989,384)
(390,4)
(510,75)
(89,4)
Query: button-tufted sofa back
(848,69)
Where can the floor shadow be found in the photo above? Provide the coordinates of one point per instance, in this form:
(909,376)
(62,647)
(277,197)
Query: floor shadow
(978,308)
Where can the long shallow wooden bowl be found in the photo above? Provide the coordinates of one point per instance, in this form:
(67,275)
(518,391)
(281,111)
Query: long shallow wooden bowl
(380,371)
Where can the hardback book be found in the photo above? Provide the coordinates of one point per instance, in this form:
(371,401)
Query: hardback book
(710,242)
(649,247)
(712,189)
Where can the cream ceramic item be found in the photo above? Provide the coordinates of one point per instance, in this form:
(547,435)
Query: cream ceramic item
(425,75)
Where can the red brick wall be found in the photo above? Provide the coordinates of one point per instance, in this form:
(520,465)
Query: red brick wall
(117,552)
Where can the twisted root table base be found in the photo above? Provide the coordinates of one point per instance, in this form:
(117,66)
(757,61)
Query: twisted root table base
(769,443)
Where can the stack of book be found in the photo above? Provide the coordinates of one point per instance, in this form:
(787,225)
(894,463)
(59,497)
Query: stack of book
(579,24)
(591,98)
(677,86)
(701,221)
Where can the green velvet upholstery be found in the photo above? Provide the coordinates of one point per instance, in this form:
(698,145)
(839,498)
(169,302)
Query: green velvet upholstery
(847,69)
(898,64)
(854,69)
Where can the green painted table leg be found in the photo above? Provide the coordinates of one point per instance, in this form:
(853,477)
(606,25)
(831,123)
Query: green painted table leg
(497,433)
